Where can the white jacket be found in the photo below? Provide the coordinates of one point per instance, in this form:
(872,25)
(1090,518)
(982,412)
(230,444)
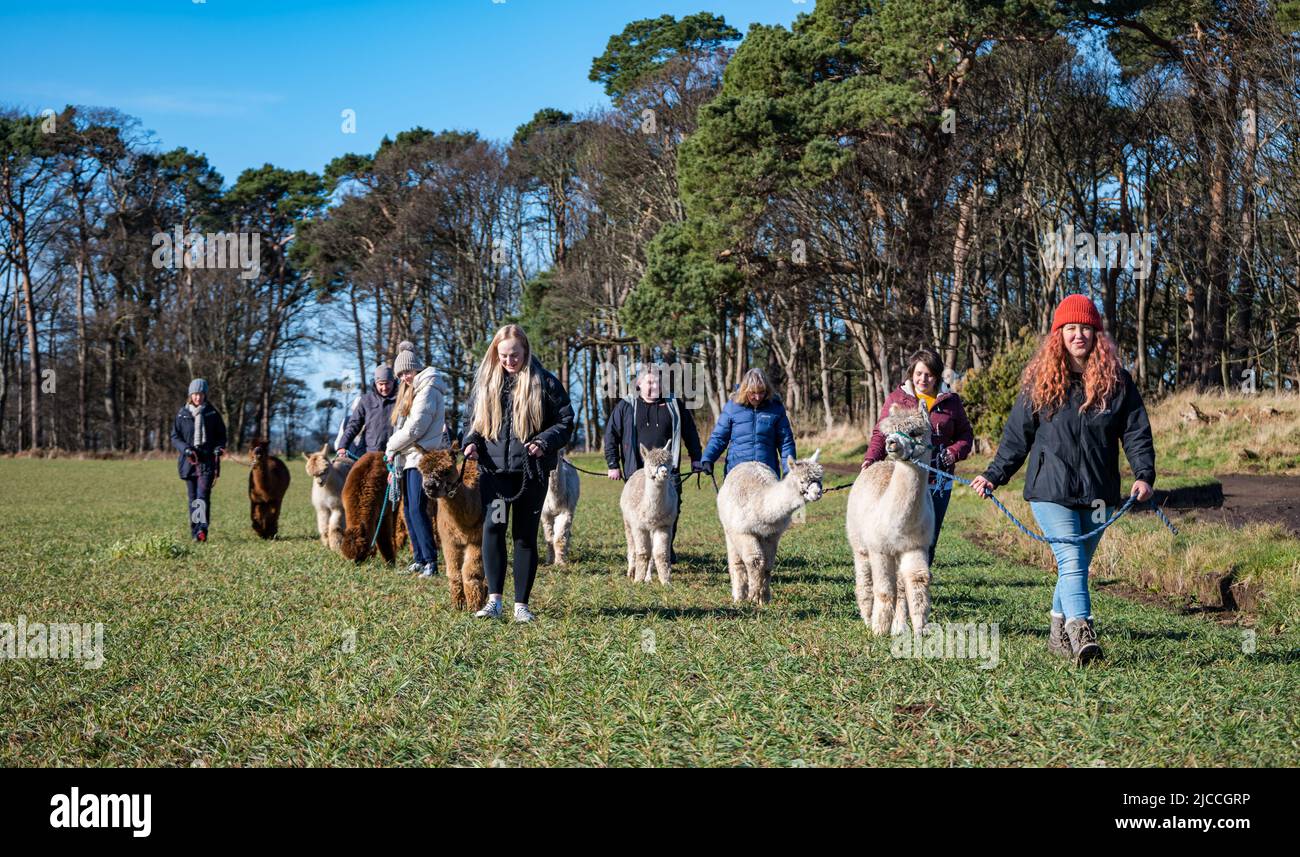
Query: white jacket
(424,425)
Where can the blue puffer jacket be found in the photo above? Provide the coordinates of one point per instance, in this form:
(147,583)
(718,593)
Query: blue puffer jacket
(753,435)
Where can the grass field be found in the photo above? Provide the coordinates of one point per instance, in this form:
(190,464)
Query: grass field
(240,652)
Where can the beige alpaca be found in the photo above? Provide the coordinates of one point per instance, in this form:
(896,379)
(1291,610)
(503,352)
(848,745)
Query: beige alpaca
(755,508)
(890,521)
(328,478)
(558,511)
(649,505)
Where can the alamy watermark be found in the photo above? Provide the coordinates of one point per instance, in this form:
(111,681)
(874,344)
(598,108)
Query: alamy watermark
(1067,248)
(950,640)
(53,641)
(209,250)
(679,380)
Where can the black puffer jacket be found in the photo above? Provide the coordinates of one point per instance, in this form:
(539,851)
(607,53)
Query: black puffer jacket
(1073,457)
(507,454)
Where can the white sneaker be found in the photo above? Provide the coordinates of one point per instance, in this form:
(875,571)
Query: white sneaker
(491,610)
(428,570)
(523,614)
(414,568)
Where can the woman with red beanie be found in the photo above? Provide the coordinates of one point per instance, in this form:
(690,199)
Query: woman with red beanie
(1076,406)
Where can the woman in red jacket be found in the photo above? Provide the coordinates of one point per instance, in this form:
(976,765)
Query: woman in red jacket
(951,434)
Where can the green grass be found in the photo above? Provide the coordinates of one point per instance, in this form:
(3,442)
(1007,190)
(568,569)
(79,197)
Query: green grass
(234,653)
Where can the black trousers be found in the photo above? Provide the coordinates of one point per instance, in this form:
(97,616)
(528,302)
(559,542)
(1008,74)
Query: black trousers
(527,514)
(199,488)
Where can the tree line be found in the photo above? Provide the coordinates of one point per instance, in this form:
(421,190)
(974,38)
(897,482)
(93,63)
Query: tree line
(819,200)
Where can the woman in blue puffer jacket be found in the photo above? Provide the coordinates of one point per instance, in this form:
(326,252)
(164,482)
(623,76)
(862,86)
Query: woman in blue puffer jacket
(755,426)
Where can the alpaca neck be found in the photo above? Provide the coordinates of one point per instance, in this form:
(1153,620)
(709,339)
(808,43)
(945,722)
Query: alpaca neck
(907,485)
(783,500)
(655,494)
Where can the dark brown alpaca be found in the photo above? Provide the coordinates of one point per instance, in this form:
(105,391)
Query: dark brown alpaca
(460,523)
(364,495)
(267,483)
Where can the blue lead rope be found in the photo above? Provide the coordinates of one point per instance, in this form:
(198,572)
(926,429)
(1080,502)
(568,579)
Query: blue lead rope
(1056,540)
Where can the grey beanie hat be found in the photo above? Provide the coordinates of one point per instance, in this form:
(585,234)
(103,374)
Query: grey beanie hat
(198,385)
(384,372)
(406,359)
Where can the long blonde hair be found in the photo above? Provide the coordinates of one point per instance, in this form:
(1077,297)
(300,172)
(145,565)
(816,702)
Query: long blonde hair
(526,404)
(755,379)
(402,404)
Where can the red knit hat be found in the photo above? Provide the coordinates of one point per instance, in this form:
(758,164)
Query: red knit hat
(1076,309)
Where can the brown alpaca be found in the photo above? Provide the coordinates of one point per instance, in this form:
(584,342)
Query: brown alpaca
(267,483)
(364,496)
(460,523)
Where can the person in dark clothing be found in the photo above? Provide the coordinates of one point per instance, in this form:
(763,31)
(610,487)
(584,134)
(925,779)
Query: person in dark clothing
(1076,406)
(372,417)
(520,419)
(199,435)
(655,422)
(951,434)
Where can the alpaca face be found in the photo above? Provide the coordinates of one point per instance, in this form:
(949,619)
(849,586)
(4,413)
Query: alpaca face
(258,453)
(658,463)
(808,474)
(318,468)
(439,475)
(907,433)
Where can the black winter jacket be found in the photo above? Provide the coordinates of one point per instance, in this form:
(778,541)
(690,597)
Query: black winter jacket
(374,414)
(1073,457)
(183,438)
(621,440)
(507,454)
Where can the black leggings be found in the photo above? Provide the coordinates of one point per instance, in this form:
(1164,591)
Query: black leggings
(527,514)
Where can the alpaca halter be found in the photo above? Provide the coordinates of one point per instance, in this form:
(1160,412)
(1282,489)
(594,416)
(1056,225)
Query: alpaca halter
(912,449)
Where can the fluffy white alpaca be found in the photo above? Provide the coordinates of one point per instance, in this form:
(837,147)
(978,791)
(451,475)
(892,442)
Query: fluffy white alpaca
(649,505)
(558,511)
(890,522)
(755,508)
(327,494)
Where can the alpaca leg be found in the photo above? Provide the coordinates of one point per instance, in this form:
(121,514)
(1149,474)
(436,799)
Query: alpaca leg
(663,564)
(643,560)
(453,556)
(769,545)
(862,584)
(751,554)
(914,578)
(631,549)
(563,528)
(882,587)
(548,532)
(473,582)
(323,525)
(736,570)
(385,542)
(336,525)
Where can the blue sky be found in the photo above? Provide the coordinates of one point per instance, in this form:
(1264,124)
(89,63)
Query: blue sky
(247,82)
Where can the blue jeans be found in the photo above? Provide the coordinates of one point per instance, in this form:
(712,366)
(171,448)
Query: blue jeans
(415,508)
(1071,598)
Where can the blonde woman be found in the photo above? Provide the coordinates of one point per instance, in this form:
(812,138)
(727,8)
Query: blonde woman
(418,423)
(520,418)
(753,426)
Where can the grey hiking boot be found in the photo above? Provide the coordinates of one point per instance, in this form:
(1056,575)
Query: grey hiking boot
(1083,641)
(1057,642)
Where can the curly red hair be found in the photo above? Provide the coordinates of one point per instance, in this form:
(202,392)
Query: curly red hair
(1047,377)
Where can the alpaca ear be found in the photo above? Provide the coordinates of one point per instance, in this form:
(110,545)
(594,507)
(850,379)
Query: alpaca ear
(420,449)
(815,454)
(325,450)
(455,446)
(645,453)
(306,456)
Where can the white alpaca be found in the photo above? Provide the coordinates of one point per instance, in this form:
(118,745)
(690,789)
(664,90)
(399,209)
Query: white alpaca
(558,511)
(327,494)
(890,521)
(649,505)
(755,508)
